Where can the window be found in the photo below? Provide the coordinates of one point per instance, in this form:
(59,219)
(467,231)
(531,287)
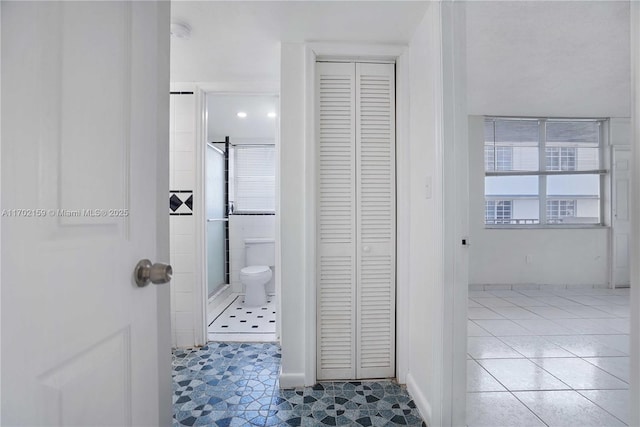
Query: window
(497,211)
(543,171)
(253,178)
(558,210)
(498,158)
(561,158)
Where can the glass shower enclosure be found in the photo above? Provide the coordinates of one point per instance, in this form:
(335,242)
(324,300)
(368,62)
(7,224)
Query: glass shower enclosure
(216,209)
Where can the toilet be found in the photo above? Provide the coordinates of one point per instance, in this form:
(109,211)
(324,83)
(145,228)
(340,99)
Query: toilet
(259,262)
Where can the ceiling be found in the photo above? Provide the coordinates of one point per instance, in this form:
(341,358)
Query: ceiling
(239,40)
(541,58)
(256,127)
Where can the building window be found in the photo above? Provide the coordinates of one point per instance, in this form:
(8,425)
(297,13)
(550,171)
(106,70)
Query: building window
(548,170)
(498,158)
(497,211)
(559,210)
(561,158)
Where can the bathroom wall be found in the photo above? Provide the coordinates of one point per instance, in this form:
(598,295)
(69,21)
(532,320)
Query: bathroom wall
(243,227)
(182,223)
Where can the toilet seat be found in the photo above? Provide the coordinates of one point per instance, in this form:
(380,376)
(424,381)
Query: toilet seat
(255,269)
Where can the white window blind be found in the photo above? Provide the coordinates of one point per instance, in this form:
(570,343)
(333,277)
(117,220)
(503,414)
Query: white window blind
(254,178)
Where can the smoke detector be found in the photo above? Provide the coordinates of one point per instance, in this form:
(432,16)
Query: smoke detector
(180,30)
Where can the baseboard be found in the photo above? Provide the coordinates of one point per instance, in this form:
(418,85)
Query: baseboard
(419,399)
(533,286)
(291,380)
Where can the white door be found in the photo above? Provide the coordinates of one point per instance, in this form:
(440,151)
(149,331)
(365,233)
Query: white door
(620,220)
(356,220)
(85,103)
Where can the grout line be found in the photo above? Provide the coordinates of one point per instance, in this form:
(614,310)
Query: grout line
(588,319)
(595,403)
(531,410)
(222,312)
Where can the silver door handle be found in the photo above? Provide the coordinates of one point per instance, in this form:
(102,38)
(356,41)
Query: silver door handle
(157,273)
(217,219)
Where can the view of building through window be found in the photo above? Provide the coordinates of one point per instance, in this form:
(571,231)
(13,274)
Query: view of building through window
(543,171)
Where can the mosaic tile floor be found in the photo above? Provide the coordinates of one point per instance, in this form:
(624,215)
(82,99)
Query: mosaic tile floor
(236,384)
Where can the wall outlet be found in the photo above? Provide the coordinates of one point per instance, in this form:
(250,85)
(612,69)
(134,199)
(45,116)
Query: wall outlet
(528,259)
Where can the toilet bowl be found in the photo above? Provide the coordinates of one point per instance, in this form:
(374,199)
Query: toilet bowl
(254,278)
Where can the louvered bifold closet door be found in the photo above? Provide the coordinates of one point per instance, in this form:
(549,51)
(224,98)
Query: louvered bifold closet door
(336,221)
(376,222)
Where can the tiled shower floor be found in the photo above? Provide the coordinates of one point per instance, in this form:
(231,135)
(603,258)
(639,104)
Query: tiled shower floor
(244,324)
(236,384)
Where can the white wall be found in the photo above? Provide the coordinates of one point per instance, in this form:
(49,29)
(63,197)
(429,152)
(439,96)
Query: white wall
(555,257)
(425,259)
(184,298)
(563,59)
(291,214)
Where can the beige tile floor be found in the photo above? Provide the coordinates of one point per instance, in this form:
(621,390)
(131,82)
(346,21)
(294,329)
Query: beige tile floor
(555,357)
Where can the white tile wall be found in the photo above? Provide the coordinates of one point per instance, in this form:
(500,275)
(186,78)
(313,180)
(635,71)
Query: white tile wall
(182,231)
(245,227)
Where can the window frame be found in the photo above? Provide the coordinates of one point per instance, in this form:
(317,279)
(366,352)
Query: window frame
(542,173)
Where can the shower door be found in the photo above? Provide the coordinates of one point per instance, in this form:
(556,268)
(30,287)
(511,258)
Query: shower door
(216,200)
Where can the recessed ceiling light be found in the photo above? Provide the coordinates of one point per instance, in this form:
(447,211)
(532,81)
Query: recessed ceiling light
(241,114)
(271,115)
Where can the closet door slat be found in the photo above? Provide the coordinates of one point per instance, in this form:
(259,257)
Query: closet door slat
(376,220)
(336,221)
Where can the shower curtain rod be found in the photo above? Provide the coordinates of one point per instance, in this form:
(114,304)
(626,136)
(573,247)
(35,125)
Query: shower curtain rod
(243,145)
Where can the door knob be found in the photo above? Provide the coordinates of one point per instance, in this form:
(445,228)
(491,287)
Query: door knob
(157,273)
(366,249)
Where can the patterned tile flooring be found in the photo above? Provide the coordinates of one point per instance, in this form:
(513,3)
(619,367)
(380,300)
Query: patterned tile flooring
(236,384)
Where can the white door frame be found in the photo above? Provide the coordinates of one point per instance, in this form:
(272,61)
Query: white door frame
(452,147)
(635,216)
(201,90)
(613,214)
(399,54)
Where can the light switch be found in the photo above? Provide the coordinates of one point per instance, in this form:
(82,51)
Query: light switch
(428,188)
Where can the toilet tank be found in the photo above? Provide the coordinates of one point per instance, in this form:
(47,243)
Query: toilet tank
(260,252)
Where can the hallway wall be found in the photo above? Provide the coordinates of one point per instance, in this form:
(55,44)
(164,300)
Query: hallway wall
(291,211)
(425,286)
(424,257)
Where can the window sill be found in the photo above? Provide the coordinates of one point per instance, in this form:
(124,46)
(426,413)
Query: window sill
(548,227)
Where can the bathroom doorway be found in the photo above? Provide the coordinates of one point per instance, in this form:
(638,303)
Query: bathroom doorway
(240,216)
